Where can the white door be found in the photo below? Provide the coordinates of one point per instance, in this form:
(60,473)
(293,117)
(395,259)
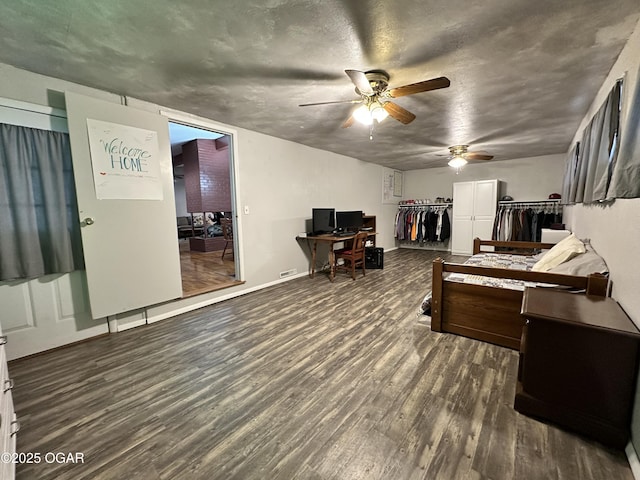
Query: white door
(130,246)
(462,222)
(484,212)
(462,237)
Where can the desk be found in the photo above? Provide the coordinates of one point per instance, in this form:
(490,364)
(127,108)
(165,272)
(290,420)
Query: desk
(331,240)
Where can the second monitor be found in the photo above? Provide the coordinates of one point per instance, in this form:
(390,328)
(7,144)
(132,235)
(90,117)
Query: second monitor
(349,221)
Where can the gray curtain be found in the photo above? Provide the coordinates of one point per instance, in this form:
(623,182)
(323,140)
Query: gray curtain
(39,227)
(576,192)
(589,181)
(625,180)
(605,148)
(570,174)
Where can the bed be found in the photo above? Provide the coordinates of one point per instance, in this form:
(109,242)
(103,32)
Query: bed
(482,298)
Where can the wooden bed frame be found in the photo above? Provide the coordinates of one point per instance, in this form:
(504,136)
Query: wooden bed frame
(489,313)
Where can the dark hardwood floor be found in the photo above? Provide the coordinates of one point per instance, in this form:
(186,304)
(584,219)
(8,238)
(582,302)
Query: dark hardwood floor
(304,380)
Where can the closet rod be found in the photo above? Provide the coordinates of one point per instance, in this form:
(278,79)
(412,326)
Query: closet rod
(422,205)
(545,204)
(528,202)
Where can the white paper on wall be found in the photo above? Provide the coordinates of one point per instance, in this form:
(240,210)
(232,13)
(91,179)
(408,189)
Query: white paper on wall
(125,160)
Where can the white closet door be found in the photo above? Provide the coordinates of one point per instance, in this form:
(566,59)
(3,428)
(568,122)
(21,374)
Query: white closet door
(461,237)
(462,222)
(485,201)
(474,209)
(130,246)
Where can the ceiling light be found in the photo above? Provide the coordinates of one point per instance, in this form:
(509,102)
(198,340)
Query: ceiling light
(367,113)
(457,162)
(377,111)
(363,115)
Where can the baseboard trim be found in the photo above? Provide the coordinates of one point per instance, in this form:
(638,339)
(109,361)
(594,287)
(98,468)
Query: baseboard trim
(426,249)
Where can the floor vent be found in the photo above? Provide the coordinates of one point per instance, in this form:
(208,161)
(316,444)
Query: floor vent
(288,273)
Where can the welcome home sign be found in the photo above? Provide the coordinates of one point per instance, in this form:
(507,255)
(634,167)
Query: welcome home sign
(125,161)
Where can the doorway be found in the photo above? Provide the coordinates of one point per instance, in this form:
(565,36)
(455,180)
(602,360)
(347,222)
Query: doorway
(205,208)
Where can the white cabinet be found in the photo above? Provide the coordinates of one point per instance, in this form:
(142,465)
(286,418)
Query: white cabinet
(474,210)
(8,423)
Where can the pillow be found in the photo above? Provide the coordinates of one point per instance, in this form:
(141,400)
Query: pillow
(582,264)
(538,256)
(562,251)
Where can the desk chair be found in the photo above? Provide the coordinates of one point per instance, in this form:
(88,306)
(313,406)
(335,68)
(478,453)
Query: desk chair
(353,257)
(227,233)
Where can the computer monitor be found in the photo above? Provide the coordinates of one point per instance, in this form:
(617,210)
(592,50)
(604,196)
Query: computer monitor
(350,221)
(323,220)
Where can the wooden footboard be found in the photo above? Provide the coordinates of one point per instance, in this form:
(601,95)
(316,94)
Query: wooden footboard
(489,313)
(477,311)
(519,248)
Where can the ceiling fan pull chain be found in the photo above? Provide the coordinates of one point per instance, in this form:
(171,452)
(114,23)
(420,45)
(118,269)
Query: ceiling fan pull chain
(371,131)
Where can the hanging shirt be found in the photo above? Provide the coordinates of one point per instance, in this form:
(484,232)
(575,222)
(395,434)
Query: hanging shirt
(419,235)
(414,227)
(439,225)
(445,231)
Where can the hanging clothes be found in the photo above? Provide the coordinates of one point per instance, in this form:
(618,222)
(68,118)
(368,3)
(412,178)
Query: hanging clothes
(420,228)
(524,221)
(422,224)
(445,231)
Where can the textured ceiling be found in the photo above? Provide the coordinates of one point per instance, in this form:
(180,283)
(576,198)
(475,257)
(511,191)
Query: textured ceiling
(522,72)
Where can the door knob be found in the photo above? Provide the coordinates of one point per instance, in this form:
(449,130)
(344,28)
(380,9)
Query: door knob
(88,221)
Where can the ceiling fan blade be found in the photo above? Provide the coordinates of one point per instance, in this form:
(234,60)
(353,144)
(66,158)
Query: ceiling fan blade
(361,81)
(399,113)
(433,84)
(477,156)
(348,122)
(328,103)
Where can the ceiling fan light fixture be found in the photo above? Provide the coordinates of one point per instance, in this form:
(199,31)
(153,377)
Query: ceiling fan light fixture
(372,88)
(368,112)
(363,115)
(378,112)
(457,162)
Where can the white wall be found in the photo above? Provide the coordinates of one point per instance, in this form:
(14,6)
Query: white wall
(614,229)
(279,181)
(524,179)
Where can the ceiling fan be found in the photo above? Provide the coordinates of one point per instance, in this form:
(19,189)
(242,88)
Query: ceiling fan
(459,156)
(372,86)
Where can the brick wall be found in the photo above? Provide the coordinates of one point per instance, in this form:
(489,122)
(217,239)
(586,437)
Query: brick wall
(206,176)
